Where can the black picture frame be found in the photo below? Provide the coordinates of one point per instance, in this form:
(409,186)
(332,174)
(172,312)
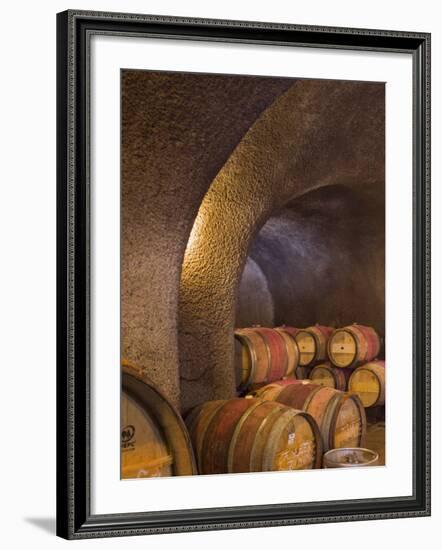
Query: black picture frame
(74,519)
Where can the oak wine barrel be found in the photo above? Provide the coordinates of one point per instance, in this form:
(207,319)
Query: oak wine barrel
(340,416)
(154,438)
(368,382)
(312,344)
(353,345)
(332,377)
(263,355)
(252,435)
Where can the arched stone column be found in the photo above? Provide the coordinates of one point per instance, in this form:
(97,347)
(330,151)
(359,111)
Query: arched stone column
(318,133)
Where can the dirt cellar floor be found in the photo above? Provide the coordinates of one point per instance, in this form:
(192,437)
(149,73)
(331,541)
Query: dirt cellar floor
(375,439)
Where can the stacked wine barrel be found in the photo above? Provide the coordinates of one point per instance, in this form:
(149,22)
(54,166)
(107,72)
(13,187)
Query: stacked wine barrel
(353,351)
(353,345)
(264,355)
(301,393)
(344,359)
(353,365)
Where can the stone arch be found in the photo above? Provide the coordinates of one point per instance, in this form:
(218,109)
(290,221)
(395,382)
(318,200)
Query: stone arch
(316,134)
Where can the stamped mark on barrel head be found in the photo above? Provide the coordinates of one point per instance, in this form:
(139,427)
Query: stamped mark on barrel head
(127,434)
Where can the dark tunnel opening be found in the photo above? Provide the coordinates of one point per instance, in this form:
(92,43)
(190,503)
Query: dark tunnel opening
(320,259)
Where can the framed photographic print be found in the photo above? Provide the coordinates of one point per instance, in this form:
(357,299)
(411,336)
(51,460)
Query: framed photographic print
(243,274)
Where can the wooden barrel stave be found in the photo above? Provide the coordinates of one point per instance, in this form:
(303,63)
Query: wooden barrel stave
(269,392)
(262,435)
(239,459)
(298,396)
(215,446)
(277,351)
(198,420)
(292,352)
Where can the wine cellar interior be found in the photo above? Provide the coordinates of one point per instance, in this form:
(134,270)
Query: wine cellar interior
(248,202)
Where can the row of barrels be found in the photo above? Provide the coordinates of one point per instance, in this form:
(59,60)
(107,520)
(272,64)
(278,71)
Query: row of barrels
(367,381)
(340,415)
(287,425)
(263,354)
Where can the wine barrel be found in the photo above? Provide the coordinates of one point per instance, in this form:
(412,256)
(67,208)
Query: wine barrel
(368,382)
(312,344)
(340,416)
(252,435)
(350,457)
(332,377)
(353,345)
(154,438)
(262,355)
